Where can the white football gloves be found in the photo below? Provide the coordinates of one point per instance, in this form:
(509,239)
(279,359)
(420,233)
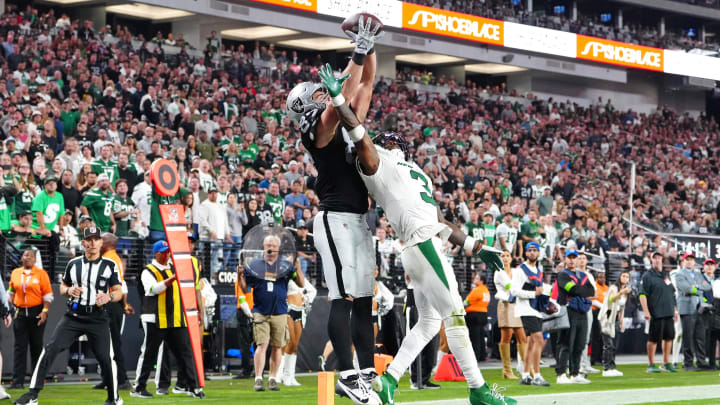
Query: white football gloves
(366,36)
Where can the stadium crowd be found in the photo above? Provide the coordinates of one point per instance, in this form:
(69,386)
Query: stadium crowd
(85,112)
(82,109)
(585,24)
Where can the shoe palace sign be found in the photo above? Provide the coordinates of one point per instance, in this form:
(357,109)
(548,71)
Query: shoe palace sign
(445,23)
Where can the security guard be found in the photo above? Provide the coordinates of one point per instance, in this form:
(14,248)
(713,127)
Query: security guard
(89,282)
(116,312)
(31,293)
(162,298)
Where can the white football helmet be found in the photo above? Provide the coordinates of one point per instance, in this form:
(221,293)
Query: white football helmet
(300,100)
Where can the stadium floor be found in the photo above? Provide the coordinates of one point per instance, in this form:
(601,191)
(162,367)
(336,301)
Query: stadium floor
(636,387)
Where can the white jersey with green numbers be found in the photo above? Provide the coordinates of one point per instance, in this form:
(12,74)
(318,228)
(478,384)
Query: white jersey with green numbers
(405,193)
(510,234)
(206,181)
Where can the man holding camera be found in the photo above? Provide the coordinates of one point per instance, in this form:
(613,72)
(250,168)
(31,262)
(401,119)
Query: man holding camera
(268,277)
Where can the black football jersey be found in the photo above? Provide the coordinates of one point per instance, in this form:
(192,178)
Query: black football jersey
(338,185)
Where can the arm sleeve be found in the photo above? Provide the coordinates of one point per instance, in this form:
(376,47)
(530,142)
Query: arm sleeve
(716,288)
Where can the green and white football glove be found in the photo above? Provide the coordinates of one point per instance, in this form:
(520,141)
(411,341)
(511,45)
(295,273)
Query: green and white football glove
(332,84)
(491,257)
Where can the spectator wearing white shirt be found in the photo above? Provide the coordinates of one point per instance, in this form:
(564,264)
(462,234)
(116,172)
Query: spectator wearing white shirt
(141,197)
(214,226)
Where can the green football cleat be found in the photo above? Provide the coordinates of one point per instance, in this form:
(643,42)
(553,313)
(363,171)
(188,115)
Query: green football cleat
(385,386)
(489,396)
(653,369)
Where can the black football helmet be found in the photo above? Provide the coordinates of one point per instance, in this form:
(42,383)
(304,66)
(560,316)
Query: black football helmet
(387,138)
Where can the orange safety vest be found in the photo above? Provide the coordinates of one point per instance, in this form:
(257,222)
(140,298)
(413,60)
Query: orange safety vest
(30,288)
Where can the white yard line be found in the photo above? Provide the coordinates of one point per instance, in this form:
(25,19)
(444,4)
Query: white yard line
(616,397)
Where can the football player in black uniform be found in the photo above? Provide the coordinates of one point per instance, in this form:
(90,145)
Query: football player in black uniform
(342,236)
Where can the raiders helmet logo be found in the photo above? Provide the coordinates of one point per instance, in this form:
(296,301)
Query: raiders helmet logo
(297,106)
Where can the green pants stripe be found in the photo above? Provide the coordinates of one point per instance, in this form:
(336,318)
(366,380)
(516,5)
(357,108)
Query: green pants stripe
(428,250)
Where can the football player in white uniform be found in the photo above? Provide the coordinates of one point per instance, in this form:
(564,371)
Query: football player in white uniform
(405,193)
(341,234)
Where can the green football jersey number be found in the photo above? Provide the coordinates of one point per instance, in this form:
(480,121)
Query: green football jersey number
(427,197)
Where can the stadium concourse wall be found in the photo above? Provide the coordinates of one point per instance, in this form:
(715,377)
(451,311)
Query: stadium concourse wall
(554,72)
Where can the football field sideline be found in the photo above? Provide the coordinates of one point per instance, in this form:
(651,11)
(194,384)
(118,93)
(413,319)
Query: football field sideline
(616,397)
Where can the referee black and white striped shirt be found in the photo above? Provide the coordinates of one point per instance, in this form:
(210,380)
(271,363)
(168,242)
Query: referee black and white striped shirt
(93,276)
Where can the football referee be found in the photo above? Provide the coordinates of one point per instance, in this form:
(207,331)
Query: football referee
(89,282)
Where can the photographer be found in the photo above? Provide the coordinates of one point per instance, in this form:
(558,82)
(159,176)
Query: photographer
(269,278)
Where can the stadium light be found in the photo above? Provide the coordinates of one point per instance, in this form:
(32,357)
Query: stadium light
(492,68)
(319,43)
(427,58)
(259,32)
(147,11)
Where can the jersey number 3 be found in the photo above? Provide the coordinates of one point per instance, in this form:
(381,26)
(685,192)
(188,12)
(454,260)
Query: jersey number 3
(427,197)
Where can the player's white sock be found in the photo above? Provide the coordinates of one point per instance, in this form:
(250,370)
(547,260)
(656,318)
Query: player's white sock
(525,375)
(458,339)
(347,373)
(412,345)
(356,362)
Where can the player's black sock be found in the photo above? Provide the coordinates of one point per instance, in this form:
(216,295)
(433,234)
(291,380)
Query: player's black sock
(362,331)
(339,332)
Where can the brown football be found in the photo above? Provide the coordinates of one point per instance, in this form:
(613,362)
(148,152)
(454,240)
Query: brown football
(351,23)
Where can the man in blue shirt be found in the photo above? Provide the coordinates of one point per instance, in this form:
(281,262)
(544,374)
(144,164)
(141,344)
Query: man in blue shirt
(268,277)
(297,199)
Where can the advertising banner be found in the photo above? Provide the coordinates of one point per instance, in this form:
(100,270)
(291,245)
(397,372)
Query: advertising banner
(620,53)
(452,24)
